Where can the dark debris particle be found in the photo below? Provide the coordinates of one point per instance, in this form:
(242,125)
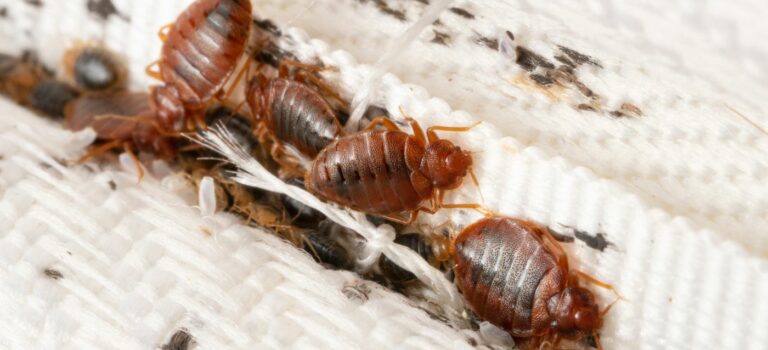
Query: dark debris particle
(112,185)
(3,12)
(181,340)
(425,2)
(462,12)
(579,58)
(53,274)
(542,80)
(384,8)
(597,241)
(104,9)
(441,38)
(586,107)
(492,44)
(559,236)
(37,3)
(472,341)
(530,60)
(510,35)
(627,110)
(268,26)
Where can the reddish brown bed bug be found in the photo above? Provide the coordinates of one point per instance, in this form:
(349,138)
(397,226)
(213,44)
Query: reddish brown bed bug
(387,172)
(200,52)
(515,275)
(288,111)
(119,120)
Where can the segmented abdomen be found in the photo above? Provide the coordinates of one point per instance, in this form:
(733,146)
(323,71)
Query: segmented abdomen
(367,172)
(503,268)
(204,46)
(300,116)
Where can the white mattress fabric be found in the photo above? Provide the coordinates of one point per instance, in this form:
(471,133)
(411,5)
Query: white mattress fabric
(679,194)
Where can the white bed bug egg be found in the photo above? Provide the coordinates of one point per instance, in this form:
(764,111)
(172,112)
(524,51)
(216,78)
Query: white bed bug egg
(206,197)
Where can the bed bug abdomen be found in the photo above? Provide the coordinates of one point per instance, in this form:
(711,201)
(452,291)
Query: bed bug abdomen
(299,116)
(204,46)
(507,275)
(370,172)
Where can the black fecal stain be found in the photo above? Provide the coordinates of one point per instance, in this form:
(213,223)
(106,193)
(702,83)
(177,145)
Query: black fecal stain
(510,35)
(104,9)
(579,58)
(530,60)
(267,26)
(462,12)
(384,8)
(565,60)
(3,12)
(441,38)
(53,274)
(181,340)
(559,236)
(36,3)
(627,110)
(542,79)
(586,107)
(597,241)
(425,2)
(492,44)
(112,185)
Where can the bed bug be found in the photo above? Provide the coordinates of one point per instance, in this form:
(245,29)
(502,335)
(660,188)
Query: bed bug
(200,52)
(325,249)
(20,75)
(516,276)
(386,172)
(92,68)
(287,111)
(119,120)
(50,96)
(299,213)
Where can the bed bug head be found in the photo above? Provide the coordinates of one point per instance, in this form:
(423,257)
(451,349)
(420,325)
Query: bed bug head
(445,164)
(574,313)
(168,107)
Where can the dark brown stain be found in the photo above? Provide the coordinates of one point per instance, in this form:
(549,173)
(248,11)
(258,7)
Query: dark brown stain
(3,12)
(267,26)
(530,60)
(53,274)
(492,44)
(104,9)
(181,340)
(586,107)
(462,12)
(627,110)
(112,185)
(542,79)
(559,236)
(579,58)
(36,3)
(565,60)
(597,241)
(510,35)
(425,2)
(382,6)
(441,38)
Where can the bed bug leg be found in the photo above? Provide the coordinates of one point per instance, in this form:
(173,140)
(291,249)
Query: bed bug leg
(432,135)
(382,121)
(162,33)
(242,73)
(97,151)
(135,159)
(322,86)
(599,283)
(153,70)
